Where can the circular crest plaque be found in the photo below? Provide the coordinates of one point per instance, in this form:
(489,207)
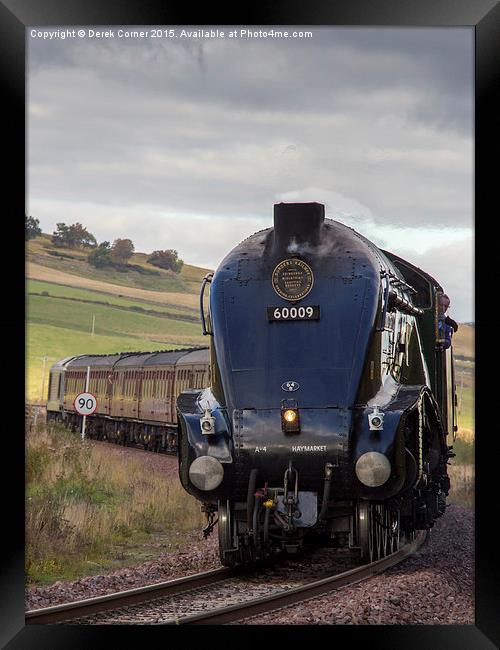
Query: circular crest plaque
(292,279)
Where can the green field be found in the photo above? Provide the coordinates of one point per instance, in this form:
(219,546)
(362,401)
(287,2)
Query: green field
(88,295)
(59,325)
(109,321)
(58,342)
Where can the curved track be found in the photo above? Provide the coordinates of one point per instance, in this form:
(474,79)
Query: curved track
(214,597)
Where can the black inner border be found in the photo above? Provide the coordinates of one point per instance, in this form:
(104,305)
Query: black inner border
(481,15)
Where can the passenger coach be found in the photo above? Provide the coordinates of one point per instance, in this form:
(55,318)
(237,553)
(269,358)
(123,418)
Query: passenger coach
(136,394)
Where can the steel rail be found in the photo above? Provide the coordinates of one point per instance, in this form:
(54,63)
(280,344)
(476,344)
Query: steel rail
(267,604)
(82,608)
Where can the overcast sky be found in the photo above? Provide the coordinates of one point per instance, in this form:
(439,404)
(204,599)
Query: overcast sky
(187,143)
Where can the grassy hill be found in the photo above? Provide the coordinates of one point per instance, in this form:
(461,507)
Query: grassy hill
(139,308)
(138,272)
(463,342)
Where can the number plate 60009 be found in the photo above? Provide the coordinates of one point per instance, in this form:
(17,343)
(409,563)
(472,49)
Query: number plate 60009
(309,312)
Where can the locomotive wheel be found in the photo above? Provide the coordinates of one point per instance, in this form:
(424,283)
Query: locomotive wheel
(225,526)
(379,531)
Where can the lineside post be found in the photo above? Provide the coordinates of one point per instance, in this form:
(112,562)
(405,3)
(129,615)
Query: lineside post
(86,390)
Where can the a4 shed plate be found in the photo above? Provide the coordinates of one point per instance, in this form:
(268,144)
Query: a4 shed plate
(292,279)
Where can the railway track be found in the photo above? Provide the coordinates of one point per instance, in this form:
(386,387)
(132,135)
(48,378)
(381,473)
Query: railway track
(219,597)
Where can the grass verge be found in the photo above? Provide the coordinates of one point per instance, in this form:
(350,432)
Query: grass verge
(462,478)
(88,510)
(462,470)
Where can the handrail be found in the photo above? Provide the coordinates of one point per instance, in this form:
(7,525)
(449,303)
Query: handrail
(383,314)
(206,280)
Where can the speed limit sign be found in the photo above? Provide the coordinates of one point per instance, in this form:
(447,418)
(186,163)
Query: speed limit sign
(85,403)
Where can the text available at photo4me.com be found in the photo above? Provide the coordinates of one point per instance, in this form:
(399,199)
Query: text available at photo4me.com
(166,33)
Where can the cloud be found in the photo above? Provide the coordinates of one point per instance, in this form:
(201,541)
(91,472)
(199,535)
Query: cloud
(156,136)
(453,268)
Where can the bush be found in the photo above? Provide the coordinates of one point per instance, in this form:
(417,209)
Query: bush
(64,256)
(141,269)
(122,250)
(167,259)
(101,256)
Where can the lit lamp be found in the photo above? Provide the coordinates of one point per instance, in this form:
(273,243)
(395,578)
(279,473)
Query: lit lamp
(290,421)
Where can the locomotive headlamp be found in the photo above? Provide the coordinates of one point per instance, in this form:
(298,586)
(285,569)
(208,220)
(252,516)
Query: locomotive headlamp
(207,423)
(290,421)
(206,473)
(376,419)
(373,469)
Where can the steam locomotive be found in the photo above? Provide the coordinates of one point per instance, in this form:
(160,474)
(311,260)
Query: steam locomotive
(332,396)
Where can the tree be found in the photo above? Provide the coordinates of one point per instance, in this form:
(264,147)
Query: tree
(122,250)
(168,259)
(81,236)
(60,235)
(73,236)
(101,256)
(32,228)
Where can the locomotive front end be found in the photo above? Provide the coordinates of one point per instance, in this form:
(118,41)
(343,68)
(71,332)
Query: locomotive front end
(293,433)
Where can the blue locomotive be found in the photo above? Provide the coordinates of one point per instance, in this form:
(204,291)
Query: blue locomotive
(332,395)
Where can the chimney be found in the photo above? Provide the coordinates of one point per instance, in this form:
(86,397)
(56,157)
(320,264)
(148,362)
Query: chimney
(298,222)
